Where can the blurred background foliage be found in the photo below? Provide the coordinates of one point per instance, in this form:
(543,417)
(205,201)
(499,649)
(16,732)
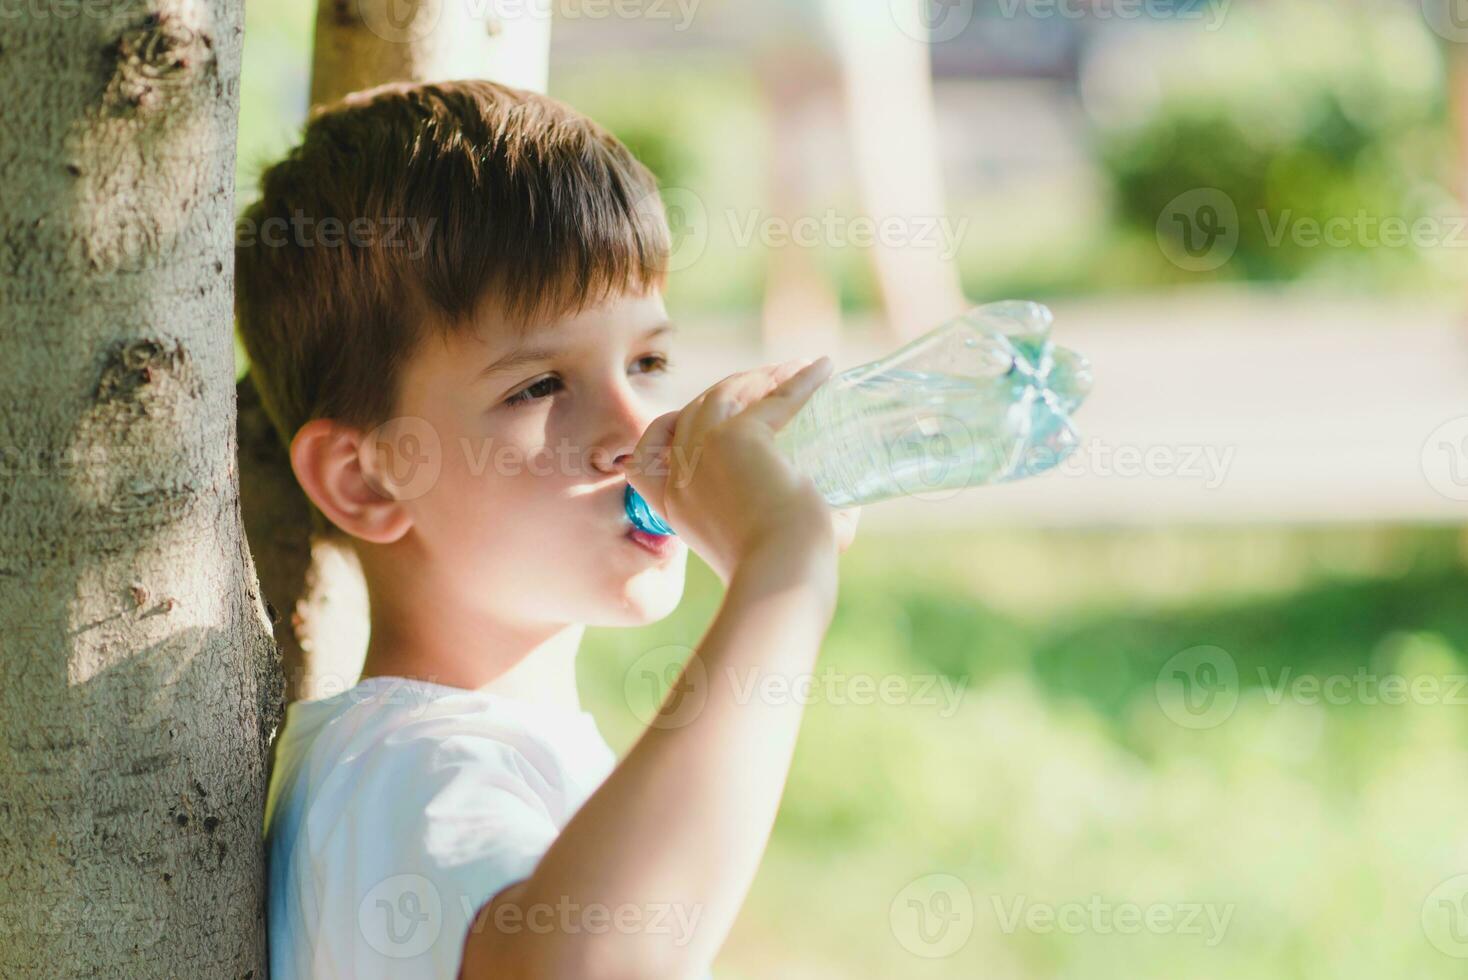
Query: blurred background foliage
(1058,775)
(1297,108)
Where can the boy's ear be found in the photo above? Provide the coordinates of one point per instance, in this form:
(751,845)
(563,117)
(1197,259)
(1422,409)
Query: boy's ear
(334,464)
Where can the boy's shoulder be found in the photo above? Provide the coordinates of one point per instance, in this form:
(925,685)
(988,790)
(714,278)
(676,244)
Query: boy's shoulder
(397,785)
(403,783)
(400,737)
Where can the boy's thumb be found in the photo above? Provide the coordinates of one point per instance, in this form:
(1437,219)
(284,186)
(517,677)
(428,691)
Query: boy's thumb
(647,470)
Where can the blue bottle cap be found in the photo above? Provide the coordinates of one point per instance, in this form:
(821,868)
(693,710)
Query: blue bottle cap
(643,517)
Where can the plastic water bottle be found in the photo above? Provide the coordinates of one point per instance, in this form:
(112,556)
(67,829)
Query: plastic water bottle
(984,398)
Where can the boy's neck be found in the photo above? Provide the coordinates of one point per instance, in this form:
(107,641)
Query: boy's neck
(419,632)
(539,669)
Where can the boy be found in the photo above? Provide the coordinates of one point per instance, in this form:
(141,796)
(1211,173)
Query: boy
(456,813)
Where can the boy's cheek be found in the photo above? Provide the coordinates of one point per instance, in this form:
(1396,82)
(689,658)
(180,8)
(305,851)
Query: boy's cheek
(499,512)
(493,460)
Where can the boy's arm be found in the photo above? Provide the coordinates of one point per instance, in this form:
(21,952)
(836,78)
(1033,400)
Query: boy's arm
(682,822)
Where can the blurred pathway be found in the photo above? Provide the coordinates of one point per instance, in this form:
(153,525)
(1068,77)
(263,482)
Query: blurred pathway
(1229,407)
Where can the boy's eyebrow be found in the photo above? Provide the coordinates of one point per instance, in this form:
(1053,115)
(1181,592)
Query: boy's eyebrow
(527,355)
(515,358)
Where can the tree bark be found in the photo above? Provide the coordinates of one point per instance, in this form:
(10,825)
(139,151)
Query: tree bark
(894,132)
(314,587)
(138,681)
(801,86)
(370,42)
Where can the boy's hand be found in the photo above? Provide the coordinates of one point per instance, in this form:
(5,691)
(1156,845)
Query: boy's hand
(845,522)
(713,471)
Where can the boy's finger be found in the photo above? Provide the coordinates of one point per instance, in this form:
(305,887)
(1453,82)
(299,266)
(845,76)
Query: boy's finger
(737,391)
(845,521)
(781,404)
(780,373)
(647,469)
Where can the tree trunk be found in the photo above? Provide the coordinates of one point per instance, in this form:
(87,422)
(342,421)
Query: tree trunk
(370,42)
(887,76)
(315,588)
(138,682)
(801,316)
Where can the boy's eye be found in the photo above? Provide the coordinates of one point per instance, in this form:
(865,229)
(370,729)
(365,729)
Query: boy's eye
(654,362)
(548,385)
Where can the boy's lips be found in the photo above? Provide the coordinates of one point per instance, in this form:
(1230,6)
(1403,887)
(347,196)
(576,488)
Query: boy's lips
(660,545)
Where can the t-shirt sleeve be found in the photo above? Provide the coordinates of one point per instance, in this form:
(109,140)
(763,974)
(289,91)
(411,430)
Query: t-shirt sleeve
(415,836)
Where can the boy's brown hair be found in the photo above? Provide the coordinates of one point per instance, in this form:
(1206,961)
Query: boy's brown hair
(406,208)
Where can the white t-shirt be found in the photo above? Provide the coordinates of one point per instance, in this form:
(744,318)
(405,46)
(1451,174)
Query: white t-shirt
(397,808)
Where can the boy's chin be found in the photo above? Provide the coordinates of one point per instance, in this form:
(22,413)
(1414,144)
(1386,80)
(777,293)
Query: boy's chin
(645,598)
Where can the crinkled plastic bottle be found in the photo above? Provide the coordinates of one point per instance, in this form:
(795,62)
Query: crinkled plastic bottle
(984,398)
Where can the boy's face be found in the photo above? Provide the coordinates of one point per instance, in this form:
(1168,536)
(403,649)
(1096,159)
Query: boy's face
(525,519)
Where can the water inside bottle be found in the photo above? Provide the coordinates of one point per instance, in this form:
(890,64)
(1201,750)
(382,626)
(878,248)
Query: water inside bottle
(905,432)
(985,398)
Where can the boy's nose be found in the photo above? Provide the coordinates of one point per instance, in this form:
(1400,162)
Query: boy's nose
(609,461)
(612,459)
(627,418)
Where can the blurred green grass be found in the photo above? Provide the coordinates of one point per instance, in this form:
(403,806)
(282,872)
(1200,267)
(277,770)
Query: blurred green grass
(1057,775)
